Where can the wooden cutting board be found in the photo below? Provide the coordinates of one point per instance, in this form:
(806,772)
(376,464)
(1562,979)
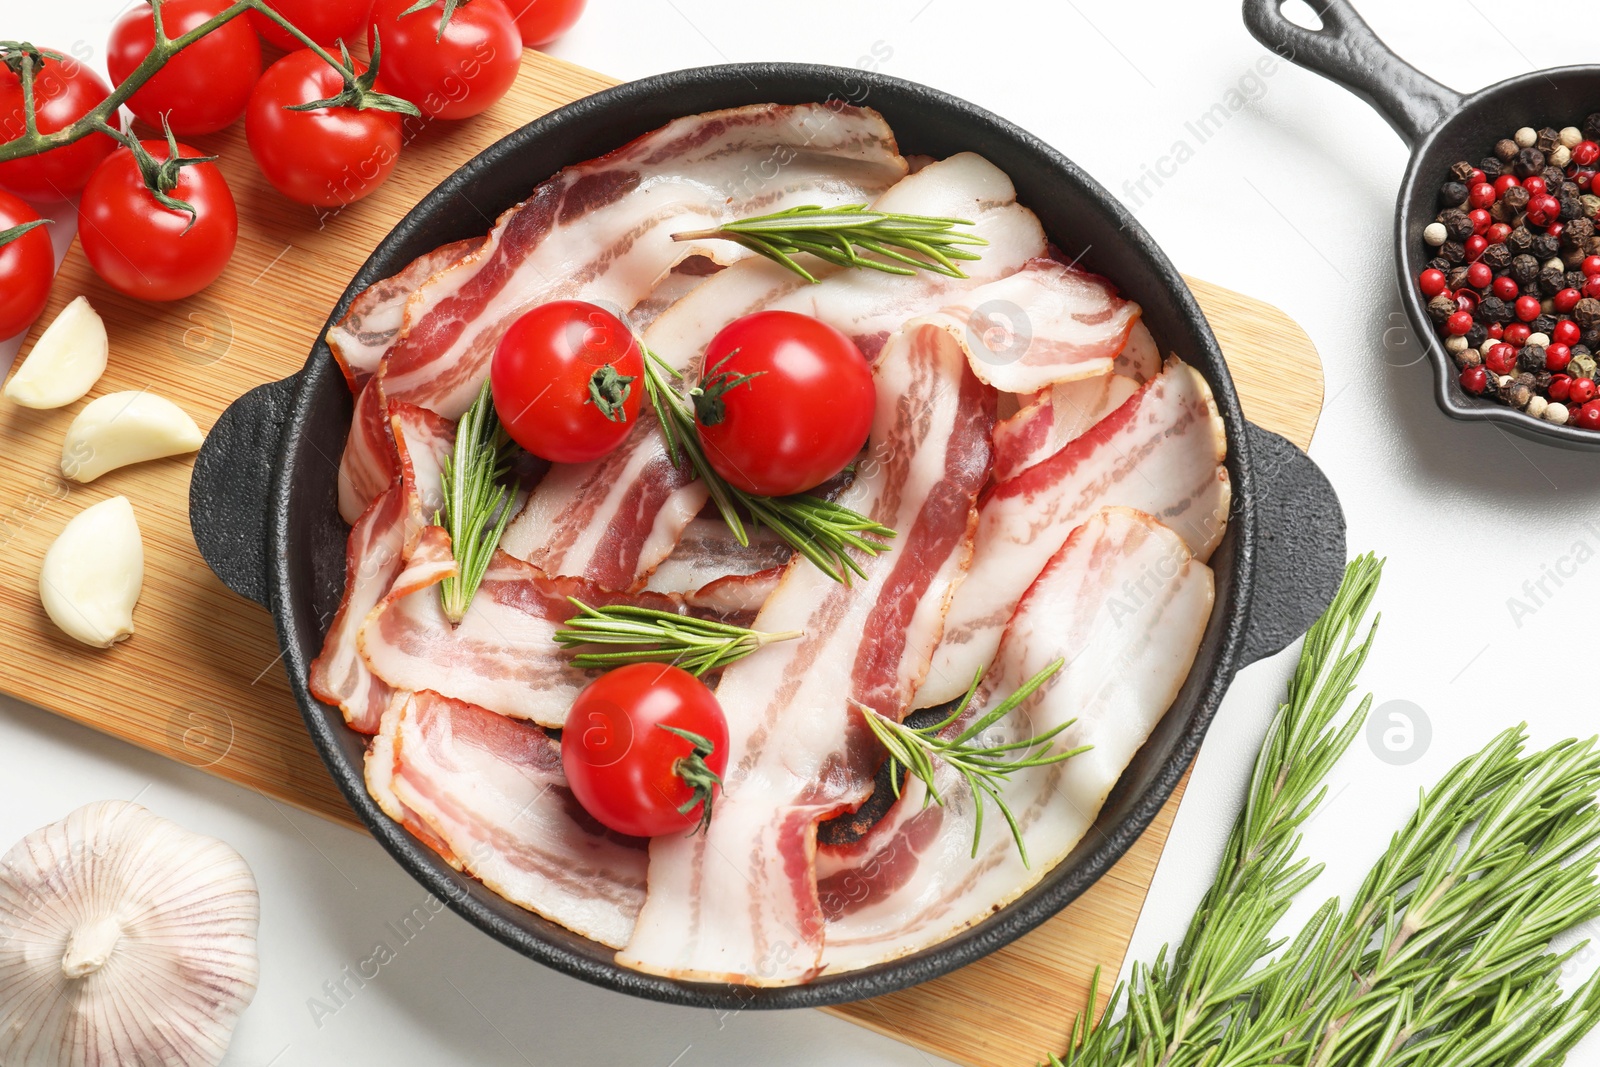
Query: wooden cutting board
(200,680)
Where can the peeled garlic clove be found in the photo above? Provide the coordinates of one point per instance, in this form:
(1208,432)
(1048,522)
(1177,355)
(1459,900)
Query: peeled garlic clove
(121,428)
(66,360)
(128,940)
(92,576)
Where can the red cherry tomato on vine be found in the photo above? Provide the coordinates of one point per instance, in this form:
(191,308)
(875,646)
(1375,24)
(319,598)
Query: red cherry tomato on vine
(141,247)
(328,157)
(453,75)
(27,265)
(542,21)
(801,416)
(64,90)
(203,88)
(547,373)
(324,21)
(625,764)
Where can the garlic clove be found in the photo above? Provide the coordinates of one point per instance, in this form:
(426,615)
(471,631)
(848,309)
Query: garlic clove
(66,360)
(121,428)
(128,940)
(93,573)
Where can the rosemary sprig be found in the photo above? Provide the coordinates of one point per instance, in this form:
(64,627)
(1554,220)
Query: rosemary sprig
(1443,956)
(818,529)
(477,506)
(649,636)
(983,767)
(841,235)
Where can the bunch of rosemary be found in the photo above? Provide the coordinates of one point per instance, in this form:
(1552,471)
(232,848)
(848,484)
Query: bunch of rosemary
(1443,957)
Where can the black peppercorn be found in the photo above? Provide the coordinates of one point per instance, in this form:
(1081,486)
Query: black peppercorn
(1531,358)
(1452,194)
(1438,263)
(1577,233)
(1591,127)
(1516,198)
(1496,257)
(1580,350)
(1553,177)
(1442,307)
(1525,269)
(1551,281)
(1591,337)
(1499,211)
(1457,223)
(1530,161)
(1492,167)
(1544,247)
(1462,170)
(1571,258)
(1453,251)
(1493,309)
(1575,279)
(1506,149)
(1586,314)
(1571,208)
(1567,187)
(1543,324)
(1520,239)
(1456,278)
(1477,335)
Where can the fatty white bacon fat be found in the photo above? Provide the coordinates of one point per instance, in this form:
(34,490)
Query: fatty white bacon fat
(603,230)
(1160,452)
(912,881)
(739,901)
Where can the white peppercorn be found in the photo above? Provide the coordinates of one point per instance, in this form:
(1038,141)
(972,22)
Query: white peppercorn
(1571,136)
(1540,339)
(1435,234)
(1556,412)
(1456,345)
(1537,406)
(1526,137)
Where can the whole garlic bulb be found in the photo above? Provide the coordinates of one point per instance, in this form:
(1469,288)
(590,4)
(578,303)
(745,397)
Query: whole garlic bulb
(124,940)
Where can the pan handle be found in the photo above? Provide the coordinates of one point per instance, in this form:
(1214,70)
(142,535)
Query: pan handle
(1347,51)
(232,477)
(1300,545)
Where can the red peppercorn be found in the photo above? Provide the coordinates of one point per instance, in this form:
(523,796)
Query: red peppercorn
(1543,209)
(1560,388)
(1556,358)
(1481,219)
(1583,179)
(1517,333)
(1564,301)
(1481,195)
(1474,379)
(1527,308)
(1479,275)
(1585,153)
(1589,415)
(1498,233)
(1432,283)
(1536,187)
(1496,330)
(1506,288)
(1501,359)
(1592,286)
(1467,300)
(1591,265)
(1477,177)
(1581,391)
(1459,323)
(1475,246)
(1566,332)
(1504,182)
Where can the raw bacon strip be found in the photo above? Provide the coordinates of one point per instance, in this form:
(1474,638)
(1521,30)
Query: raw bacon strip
(627,510)
(1139,359)
(1160,452)
(492,790)
(422,440)
(381,765)
(501,656)
(367,466)
(1059,416)
(603,229)
(359,340)
(1045,324)
(912,880)
(708,552)
(738,902)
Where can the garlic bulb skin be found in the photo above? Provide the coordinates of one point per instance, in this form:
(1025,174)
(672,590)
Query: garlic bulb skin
(65,362)
(130,940)
(93,574)
(121,428)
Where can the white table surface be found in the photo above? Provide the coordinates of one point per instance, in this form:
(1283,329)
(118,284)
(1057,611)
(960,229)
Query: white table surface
(1291,200)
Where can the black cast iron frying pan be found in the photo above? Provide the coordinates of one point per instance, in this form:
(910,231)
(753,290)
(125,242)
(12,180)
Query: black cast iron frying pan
(264,513)
(1440,126)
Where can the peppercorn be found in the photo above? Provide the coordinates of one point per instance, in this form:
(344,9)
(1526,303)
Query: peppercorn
(1544,246)
(1553,177)
(1529,161)
(1477,335)
(1530,358)
(1580,350)
(1547,139)
(1444,305)
(1525,269)
(1439,263)
(1571,207)
(1496,257)
(1582,367)
(1492,167)
(1519,240)
(1505,150)
(1575,279)
(1591,205)
(1457,223)
(1452,194)
(1543,324)
(1587,314)
(1577,233)
(1516,198)
(1493,309)
(1453,251)
(1552,280)
(1457,278)
(1591,337)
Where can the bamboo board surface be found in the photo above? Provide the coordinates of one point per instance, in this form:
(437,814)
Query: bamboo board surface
(200,681)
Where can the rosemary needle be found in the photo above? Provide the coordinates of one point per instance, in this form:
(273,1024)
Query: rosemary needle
(476,506)
(645,635)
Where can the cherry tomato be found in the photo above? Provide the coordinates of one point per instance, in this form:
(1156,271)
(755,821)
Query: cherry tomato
(328,157)
(324,21)
(453,75)
(547,372)
(625,764)
(141,247)
(27,265)
(802,414)
(64,90)
(542,21)
(203,88)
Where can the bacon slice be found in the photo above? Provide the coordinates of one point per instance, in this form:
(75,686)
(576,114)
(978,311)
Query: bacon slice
(359,340)
(603,229)
(493,791)
(1054,419)
(381,765)
(367,466)
(1140,358)
(739,902)
(1160,452)
(912,881)
(708,551)
(502,655)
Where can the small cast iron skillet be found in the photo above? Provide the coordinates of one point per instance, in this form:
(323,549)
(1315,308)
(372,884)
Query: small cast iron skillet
(263,501)
(1440,126)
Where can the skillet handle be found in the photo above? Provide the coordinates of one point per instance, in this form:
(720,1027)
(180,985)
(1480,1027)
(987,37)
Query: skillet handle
(1300,545)
(1347,51)
(232,479)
